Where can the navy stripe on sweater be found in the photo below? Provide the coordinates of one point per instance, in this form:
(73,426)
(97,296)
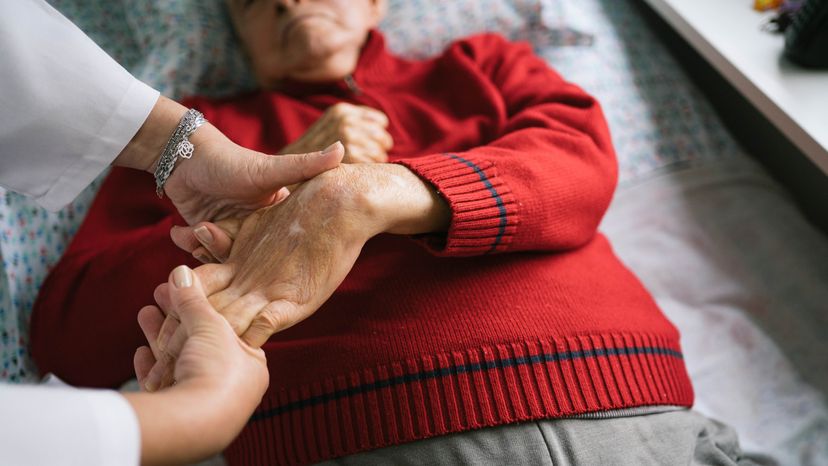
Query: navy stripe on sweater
(501,207)
(462,369)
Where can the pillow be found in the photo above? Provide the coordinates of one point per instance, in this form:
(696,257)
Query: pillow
(421,28)
(186,47)
(659,120)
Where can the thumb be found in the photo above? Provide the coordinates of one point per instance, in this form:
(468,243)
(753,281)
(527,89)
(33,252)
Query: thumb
(283,170)
(188,299)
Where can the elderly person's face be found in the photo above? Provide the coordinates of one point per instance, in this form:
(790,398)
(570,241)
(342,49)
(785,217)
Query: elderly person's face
(308,40)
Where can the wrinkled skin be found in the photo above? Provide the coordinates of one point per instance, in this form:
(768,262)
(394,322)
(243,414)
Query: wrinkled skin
(362,130)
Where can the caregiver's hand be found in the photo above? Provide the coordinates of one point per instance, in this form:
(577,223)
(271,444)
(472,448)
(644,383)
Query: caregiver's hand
(288,259)
(361,129)
(219,379)
(222,179)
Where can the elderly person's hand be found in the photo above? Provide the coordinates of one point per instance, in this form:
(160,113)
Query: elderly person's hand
(361,129)
(219,379)
(288,259)
(222,179)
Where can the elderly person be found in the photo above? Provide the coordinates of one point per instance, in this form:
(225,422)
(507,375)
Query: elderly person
(454,282)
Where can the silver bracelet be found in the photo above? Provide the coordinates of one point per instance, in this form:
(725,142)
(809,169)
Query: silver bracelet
(178,146)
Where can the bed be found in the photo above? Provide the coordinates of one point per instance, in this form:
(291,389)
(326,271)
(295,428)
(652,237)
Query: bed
(721,246)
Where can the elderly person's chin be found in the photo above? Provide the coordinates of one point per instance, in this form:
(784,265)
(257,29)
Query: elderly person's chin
(312,61)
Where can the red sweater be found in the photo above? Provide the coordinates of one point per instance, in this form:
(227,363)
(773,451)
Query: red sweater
(522,311)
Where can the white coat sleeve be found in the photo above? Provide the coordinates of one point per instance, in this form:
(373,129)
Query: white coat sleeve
(67,109)
(65,426)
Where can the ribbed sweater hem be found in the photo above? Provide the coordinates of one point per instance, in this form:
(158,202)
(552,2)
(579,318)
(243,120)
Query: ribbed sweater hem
(479,387)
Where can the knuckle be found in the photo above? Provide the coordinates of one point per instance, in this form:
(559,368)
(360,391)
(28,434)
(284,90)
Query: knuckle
(275,317)
(349,133)
(339,110)
(344,123)
(271,320)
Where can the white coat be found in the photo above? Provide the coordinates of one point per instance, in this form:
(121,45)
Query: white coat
(66,110)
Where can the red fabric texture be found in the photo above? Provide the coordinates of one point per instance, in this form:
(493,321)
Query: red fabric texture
(520,312)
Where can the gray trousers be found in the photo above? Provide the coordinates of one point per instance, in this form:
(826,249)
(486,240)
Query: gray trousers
(678,437)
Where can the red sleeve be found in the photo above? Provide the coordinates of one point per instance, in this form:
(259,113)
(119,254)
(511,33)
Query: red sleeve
(545,182)
(84,326)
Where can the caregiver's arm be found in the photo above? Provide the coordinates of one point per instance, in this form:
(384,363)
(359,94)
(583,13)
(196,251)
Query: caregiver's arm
(220,382)
(68,110)
(222,179)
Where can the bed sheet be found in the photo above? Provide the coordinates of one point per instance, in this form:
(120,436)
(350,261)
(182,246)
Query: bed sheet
(723,249)
(739,271)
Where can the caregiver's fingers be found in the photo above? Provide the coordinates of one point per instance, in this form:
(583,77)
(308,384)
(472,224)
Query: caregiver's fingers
(166,350)
(171,340)
(171,319)
(202,255)
(161,295)
(288,169)
(150,319)
(183,238)
(160,375)
(168,329)
(143,362)
(159,325)
(217,239)
(214,239)
(172,351)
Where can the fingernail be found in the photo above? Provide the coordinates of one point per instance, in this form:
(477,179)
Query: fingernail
(203,235)
(150,385)
(183,277)
(203,258)
(331,148)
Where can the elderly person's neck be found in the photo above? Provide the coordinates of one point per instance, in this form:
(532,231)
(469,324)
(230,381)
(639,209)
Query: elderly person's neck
(323,70)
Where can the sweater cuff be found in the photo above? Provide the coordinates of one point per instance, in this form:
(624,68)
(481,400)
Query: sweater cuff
(484,213)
